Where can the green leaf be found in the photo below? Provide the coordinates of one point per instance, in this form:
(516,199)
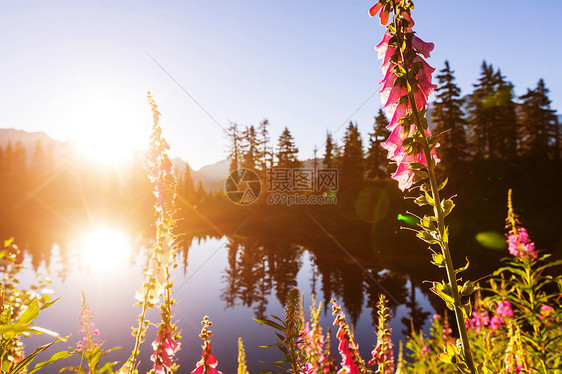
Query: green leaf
(421,200)
(426,237)
(57,356)
(417,165)
(50,303)
(421,174)
(430,199)
(448,206)
(466,310)
(464,267)
(468,288)
(443,291)
(443,184)
(28,359)
(30,313)
(270,323)
(108,367)
(438,260)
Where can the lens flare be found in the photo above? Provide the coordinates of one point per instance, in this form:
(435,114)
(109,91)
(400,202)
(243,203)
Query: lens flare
(491,240)
(408,219)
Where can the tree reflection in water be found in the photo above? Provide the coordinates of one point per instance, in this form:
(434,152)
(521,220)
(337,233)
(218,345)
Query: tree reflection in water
(258,268)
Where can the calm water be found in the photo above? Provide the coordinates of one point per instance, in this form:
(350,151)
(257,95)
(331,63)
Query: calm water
(231,281)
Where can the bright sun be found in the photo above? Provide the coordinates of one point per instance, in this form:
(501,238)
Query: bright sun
(103,146)
(105,128)
(104,249)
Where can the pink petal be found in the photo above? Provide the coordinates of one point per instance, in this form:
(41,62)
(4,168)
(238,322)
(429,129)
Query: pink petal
(421,46)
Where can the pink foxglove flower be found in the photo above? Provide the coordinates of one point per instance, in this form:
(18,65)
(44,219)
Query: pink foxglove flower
(165,348)
(398,102)
(208,361)
(385,355)
(351,363)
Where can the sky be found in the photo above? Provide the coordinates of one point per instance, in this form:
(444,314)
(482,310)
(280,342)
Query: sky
(80,70)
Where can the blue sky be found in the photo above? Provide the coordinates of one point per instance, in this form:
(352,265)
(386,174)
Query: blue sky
(81,69)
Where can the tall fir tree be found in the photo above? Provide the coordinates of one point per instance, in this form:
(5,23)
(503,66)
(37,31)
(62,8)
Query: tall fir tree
(264,154)
(504,132)
(377,165)
(492,116)
(187,191)
(329,153)
(481,114)
(352,166)
(235,151)
(448,117)
(539,127)
(287,151)
(249,148)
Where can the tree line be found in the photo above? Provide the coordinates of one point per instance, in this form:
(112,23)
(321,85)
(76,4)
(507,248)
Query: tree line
(491,123)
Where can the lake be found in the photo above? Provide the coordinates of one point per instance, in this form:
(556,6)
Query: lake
(229,279)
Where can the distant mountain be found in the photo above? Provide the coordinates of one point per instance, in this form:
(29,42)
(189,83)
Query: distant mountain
(28,140)
(211,176)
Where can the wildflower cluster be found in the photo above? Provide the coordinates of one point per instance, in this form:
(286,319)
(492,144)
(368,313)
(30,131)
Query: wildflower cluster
(90,346)
(516,327)
(18,310)
(518,242)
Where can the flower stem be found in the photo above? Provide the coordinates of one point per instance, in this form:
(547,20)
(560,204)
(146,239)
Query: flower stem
(438,209)
(451,275)
(444,240)
(139,334)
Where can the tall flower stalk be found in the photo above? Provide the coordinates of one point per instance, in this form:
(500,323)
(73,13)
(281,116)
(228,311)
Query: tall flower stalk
(208,362)
(406,87)
(352,362)
(157,281)
(383,356)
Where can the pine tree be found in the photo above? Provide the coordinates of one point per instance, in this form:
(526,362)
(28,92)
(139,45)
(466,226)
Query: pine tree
(538,136)
(352,167)
(287,151)
(264,155)
(249,148)
(187,191)
(492,117)
(481,113)
(200,194)
(448,117)
(377,166)
(329,156)
(504,131)
(235,152)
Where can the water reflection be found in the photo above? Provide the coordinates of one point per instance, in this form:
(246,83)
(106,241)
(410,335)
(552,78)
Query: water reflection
(256,270)
(232,280)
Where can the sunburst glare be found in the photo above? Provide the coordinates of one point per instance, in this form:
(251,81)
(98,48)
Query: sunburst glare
(104,249)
